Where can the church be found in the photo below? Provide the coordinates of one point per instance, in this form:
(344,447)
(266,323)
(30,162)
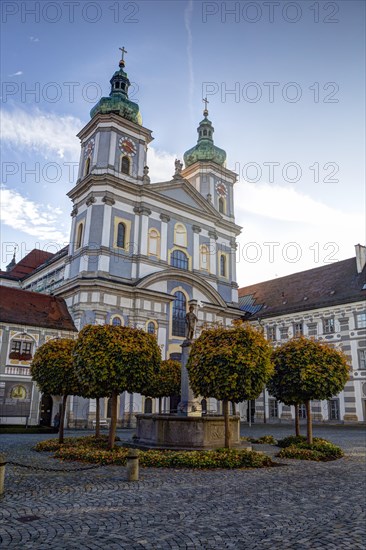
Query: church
(142,253)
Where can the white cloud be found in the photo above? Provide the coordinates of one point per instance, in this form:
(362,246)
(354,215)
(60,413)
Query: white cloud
(38,220)
(161,165)
(18,73)
(48,134)
(286,231)
(33,39)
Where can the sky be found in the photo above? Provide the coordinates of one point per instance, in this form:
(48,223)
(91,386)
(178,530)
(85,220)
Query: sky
(285,83)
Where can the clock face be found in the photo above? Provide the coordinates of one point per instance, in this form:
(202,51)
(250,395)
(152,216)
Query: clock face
(89,148)
(127,146)
(221,189)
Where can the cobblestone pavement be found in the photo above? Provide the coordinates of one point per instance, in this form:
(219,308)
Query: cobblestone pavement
(298,505)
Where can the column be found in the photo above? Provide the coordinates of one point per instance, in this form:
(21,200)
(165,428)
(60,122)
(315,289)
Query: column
(350,411)
(164,237)
(213,252)
(196,246)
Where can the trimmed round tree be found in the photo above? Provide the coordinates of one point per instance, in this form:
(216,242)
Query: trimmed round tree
(166,382)
(307,369)
(52,369)
(111,359)
(230,364)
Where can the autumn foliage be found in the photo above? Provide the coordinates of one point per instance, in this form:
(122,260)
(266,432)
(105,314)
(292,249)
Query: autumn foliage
(230,364)
(307,369)
(52,369)
(166,381)
(112,359)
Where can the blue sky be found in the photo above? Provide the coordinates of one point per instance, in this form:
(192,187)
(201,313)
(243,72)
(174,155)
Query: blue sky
(285,82)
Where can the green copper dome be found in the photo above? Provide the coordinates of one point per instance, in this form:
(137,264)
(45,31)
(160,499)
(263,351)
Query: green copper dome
(205,150)
(118,101)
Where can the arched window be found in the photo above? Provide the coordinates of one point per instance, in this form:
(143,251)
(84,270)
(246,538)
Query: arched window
(223,265)
(79,236)
(221,205)
(154,242)
(204,257)
(125,165)
(121,235)
(205,132)
(87,166)
(179,259)
(180,235)
(179,314)
(116,321)
(116,85)
(151,327)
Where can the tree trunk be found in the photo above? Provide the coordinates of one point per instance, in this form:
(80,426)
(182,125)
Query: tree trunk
(309,424)
(225,406)
(97,418)
(62,419)
(297,420)
(112,429)
(160,404)
(234,408)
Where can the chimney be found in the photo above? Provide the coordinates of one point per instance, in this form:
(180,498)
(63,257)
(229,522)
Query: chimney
(360,257)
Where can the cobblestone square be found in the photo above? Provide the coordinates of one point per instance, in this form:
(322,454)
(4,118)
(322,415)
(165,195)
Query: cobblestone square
(297,505)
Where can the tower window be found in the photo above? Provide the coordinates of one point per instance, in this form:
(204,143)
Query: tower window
(79,236)
(205,132)
(125,165)
(154,242)
(121,235)
(179,314)
(179,259)
(87,166)
(204,257)
(223,265)
(116,85)
(221,205)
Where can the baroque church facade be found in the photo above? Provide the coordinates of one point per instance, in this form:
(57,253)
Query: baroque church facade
(141,253)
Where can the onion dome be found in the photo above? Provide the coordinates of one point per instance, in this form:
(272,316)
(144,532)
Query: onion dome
(205,150)
(118,101)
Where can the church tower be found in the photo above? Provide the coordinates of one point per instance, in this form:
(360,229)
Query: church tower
(112,169)
(205,168)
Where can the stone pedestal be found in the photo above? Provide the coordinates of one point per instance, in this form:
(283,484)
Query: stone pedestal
(167,431)
(189,404)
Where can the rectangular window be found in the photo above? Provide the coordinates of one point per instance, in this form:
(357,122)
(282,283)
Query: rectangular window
(328,326)
(271,333)
(283,333)
(298,329)
(361,320)
(333,408)
(273,408)
(362,358)
(16,346)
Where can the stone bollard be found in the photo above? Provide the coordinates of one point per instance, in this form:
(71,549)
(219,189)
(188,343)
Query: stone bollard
(2,473)
(133,465)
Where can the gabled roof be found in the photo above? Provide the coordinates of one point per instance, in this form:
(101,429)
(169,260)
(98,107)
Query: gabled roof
(27,265)
(329,285)
(183,191)
(22,307)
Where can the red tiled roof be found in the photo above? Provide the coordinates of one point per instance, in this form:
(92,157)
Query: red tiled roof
(34,309)
(28,264)
(332,284)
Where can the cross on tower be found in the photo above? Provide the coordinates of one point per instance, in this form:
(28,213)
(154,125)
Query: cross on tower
(123,53)
(205,101)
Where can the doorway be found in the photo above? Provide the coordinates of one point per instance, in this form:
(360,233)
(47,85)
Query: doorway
(46,410)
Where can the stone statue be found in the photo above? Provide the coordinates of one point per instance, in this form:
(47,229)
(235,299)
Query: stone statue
(191,320)
(178,167)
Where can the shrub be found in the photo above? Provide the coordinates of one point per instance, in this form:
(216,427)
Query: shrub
(320,450)
(92,450)
(295,440)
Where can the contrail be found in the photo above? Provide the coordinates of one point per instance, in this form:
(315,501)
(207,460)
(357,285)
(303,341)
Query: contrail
(187,21)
